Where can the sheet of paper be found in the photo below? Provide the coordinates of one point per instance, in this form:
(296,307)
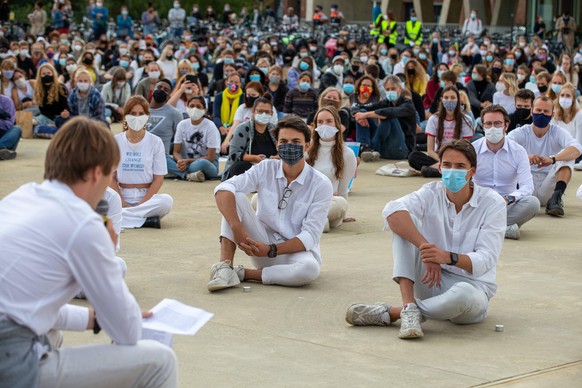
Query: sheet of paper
(160,336)
(174,317)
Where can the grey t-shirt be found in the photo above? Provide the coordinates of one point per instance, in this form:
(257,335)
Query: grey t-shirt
(163,122)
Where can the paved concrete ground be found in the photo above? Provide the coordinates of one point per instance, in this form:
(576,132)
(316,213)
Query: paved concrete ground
(276,336)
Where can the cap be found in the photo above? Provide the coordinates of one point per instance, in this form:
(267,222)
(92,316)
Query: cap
(338,58)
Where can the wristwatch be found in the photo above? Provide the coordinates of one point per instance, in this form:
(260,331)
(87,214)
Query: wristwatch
(553,157)
(454,259)
(272,251)
(96,327)
(510,199)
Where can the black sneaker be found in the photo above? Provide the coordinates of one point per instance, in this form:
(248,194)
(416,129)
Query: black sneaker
(6,154)
(429,172)
(555,205)
(152,222)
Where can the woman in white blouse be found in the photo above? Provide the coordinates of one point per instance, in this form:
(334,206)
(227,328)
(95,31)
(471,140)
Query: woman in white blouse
(141,170)
(329,155)
(568,115)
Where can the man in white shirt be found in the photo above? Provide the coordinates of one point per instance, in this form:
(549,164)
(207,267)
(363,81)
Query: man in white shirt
(446,243)
(282,238)
(552,152)
(53,245)
(504,167)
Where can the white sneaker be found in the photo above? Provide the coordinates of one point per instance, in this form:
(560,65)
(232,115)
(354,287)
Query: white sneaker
(326,227)
(512,232)
(578,166)
(222,276)
(197,176)
(240,271)
(370,156)
(377,314)
(410,322)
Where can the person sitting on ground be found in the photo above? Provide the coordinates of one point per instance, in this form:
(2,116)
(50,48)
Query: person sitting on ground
(448,124)
(506,88)
(51,97)
(448,78)
(9,132)
(226,103)
(301,100)
(333,97)
(552,151)
(196,145)
(252,141)
(140,174)
(524,99)
(366,92)
(282,238)
(504,167)
(441,275)
(115,94)
(329,155)
(37,283)
(395,135)
(480,90)
(85,99)
(146,86)
(569,116)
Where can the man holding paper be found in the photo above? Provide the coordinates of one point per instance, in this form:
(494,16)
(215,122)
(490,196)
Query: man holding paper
(53,245)
(282,238)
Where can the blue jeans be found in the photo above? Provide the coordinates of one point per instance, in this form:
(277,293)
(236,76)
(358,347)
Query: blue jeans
(389,140)
(364,134)
(210,169)
(11,138)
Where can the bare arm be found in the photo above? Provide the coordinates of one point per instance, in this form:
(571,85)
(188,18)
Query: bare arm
(153,189)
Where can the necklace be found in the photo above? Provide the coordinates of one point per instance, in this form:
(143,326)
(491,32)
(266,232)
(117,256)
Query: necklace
(133,143)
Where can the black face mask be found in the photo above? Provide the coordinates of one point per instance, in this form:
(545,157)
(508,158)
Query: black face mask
(169,57)
(47,79)
(355,68)
(160,96)
(522,113)
(496,70)
(250,101)
(410,71)
(87,61)
(393,56)
(543,89)
(146,62)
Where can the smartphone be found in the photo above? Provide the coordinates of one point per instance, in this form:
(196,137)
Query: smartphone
(192,78)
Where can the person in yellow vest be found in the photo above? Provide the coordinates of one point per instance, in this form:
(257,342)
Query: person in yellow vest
(376,27)
(390,30)
(413,33)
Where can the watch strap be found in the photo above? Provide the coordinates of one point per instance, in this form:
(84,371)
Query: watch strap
(96,327)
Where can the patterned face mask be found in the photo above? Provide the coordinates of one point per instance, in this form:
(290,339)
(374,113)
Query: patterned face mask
(291,154)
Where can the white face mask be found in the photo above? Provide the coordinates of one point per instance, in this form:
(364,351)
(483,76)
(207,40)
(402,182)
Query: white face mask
(21,83)
(83,86)
(78,47)
(263,118)
(195,113)
(120,85)
(500,86)
(565,102)
(326,131)
(71,68)
(520,77)
(122,51)
(338,69)
(494,135)
(154,74)
(136,123)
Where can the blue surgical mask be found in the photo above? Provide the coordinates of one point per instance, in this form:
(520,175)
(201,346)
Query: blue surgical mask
(442,84)
(489,58)
(304,66)
(435,40)
(454,179)
(304,86)
(348,88)
(291,154)
(532,79)
(265,70)
(510,62)
(62,61)
(440,73)
(383,51)
(195,66)
(404,60)
(422,56)
(228,60)
(556,88)
(255,78)
(413,18)
(123,63)
(391,95)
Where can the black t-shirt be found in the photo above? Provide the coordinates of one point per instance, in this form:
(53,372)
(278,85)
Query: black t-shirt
(263,144)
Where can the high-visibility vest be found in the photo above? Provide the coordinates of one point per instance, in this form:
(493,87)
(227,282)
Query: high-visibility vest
(394,34)
(376,29)
(413,30)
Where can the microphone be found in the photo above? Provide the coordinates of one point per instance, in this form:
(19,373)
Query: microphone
(102,209)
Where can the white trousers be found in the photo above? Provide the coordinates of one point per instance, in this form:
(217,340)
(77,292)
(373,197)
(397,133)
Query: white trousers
(293,269)
(337,211)
(544,184)
(135,216)
(458,299)
(146,364)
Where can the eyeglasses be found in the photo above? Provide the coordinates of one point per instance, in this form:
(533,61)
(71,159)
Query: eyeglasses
(286,194)
(496,124)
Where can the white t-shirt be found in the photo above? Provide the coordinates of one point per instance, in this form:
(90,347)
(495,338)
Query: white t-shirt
(449,129)
(324,164)
(170,68)
(141,161)
(574,126)
(245,114)
(508,102)
(197,139)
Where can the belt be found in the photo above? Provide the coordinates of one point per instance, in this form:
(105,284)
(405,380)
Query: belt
(134,185)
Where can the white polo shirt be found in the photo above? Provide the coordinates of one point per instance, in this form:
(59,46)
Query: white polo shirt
(503,170)
(477,230)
